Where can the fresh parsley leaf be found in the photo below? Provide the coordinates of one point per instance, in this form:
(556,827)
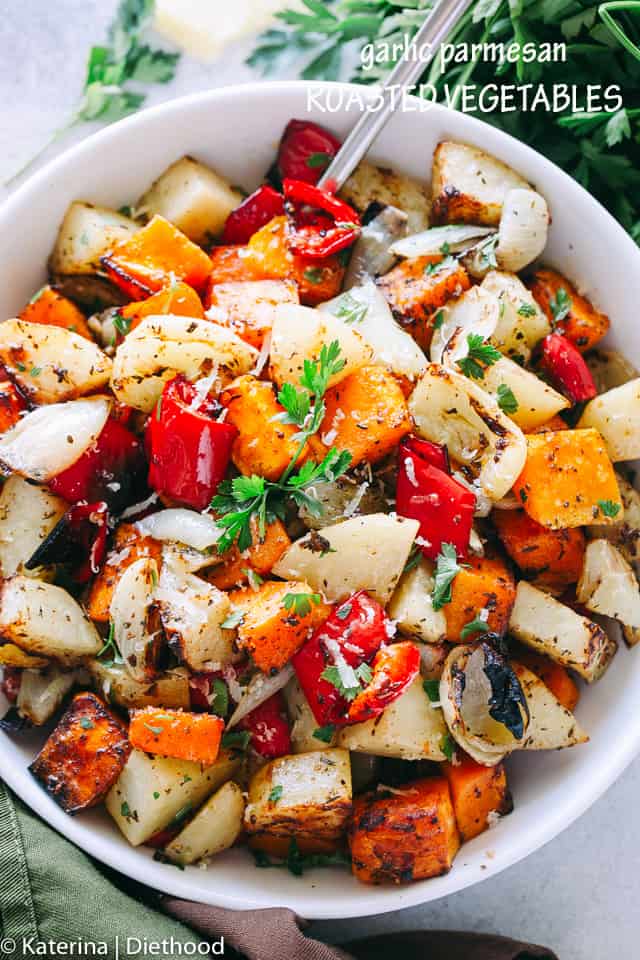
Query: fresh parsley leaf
(344,612)
(347,681)
(325,733)
(110,646)
(319,161)
(526,310)
(487,251)
(415,555)
(156,731)
(447,568)
(506,399)
(448,746)
(349,309)
(122,324)
(432,690)
(609,508)
(479,353)
(447,263)
(560,305)
(438,320)
(87,724)
(300,604)
(220,701)
(276,793)
(477,625)
(126,812)
(236,739)
(233,620)
(296,862)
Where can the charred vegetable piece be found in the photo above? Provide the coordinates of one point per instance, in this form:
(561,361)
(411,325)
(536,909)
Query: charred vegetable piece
(128,546)
(482,584)
(178,299)
(393,669)
(269,728)
(317,235)
(478,794)
(12,404)
(84,756)
(305,151)
(112,469)
(177,733)
(252,214)
(554,676)
(552,558)
(249,307)
(237,568)
(569,313)
(408,835)
(79,538)
(189,450)
(49,306)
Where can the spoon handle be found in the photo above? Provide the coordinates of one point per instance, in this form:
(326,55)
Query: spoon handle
(407,71)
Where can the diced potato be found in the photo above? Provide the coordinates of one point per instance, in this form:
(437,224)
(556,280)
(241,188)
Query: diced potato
(215,827)
(536,401)
(264,445)
(616,415)
(371,184)
(52,364)
(303,722)
(608,585)
(548,626)
(410,834)
(483,584)
(45,620)
(609,369)
(192,612)
(582,324)
(115,684)
(12,656)
(269,632)
(410,728)
(196,199)
(363,553)
(84,755)
(313,805)
(28,514)
(366,415)
(478,794)
(417,289)
(550,558)
(448,408)
(567,478)
(522,323)
(551,726)
(42,692)
(412,609)
(624,531)
(86,233)
(161,347)
(153,793)
(469,185)
(249,307)
(300,333)
(129,545)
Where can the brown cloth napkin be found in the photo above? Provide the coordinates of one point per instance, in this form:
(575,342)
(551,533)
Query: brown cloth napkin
(276,934)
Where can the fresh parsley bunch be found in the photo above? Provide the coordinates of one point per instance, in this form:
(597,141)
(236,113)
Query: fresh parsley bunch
(244,499)
(601,150)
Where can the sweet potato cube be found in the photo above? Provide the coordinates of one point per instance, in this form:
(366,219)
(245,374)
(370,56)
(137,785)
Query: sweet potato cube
(554,676)
(248,306)
(12,405)
(128,546)
(84,756)
(269,632)
(404,836)
(271,258)
(153,257)
(50,307)
(567,478)
(178,299)
(484,583)
(416,289)
(477,793)
(366,414)
(232,264)
(263,445)
(259,558)
(552,558)
(176,733)
(583,325)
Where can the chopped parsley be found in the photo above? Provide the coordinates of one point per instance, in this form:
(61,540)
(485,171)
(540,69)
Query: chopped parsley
(325,733)
(122,324)
(609,508)
(477,625)
(276,793)
(233,620)
(236,739)
(448,746)
(349,309)
(220,701)
(527,309)
(318,161)
(560,305)
(506,399)
(438,320)
(300,604)
(156,731)
(432,690)
(447,568)
(447,263)
(479,353)
(87,724)
(314,274)
(296,862)
(344,611)
(347,681)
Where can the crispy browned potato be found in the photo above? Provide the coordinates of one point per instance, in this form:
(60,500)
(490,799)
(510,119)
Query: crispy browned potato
(408,835)
(84,756)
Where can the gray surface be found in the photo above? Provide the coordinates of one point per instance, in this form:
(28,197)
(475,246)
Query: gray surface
(581,893)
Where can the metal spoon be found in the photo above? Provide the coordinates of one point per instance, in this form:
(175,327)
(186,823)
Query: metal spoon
(407,71)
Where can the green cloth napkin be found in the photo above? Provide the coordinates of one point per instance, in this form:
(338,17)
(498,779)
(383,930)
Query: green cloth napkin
(50,890)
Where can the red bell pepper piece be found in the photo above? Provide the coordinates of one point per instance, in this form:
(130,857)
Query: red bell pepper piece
(305,151)
(442,505)
(252,214)
(268,725)
(318,235)
(434,453)
(394,668)
(188,450)
(111,470)
(354,631)
(11,680)
(567,368)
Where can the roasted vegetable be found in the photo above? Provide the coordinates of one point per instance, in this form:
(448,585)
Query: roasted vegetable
(412,608)
(616,415)
(42,692)
(128,546)
(609,586)
(624,531)
(554,676)
(551,726)
(114,682)
(85,234)
(421,812)
(28,514)
(479,795)
(51,308)
(370,184)
(84,756)
(482,584)
(469,185)
(569,313)
(249,307)
(176,733)
(215,827)
(550,558)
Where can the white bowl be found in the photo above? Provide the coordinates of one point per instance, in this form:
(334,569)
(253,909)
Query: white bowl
(236,130)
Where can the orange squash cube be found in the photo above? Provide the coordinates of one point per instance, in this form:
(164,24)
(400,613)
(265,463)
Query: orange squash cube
(248,306)
(483,583)
(583,325)
(177,733)
(50,307)
(179,299)
(259,558)
(477,792)
(547,557)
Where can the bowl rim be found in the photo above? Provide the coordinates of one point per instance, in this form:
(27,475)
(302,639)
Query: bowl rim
(358,904)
